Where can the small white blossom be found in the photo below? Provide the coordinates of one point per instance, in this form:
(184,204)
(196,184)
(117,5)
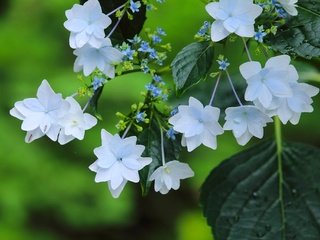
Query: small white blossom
(119,160)
(271,81)
(245,122)
(289,6)
(103,58)
(74,123)
(290,108)
(40,115)
(233,16)
(168,176)
(86,23)
(198,124)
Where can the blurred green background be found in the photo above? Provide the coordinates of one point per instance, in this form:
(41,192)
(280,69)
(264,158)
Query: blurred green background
(46,190)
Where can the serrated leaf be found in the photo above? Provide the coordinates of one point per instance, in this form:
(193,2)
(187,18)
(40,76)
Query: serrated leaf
(301,34)
(242,199)
(127,28)
(192,64)
(150,138)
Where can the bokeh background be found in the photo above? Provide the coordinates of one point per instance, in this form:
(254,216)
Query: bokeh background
(46,190)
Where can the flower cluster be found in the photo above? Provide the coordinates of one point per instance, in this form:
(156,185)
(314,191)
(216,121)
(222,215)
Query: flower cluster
(51,115)
(275,89)
(93,49)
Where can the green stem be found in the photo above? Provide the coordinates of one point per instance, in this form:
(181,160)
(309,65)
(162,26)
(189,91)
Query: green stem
(309,11)
(278,135)
(165,69)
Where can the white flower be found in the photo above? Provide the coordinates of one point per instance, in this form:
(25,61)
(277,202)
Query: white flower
(290,108)
(86,24)
(271,81)
(245,122)
(103,58)
(119,160)
(74,123)
(198,124)
(168,176)
(233,16)
(40,115)
(289,6)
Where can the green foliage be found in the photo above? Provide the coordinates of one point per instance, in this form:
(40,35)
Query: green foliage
(192,64)
(300,35)
(150,138)
(243,198)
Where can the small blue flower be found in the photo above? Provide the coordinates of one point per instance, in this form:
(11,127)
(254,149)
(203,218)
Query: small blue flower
(260,34)
(155,92)
(160,1)
(140,117)
(144,66)
(161,32)
(174,111)
(171,134)
(134,6)
(204,29)
(128,53)
(97,82)
(153,53)
(144,47)
(156,39)
(223,64)
(164,97)
(135,40)
(157,78)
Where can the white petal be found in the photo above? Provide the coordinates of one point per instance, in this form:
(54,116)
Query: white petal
(278,62)
(116,192)
(215,11)
(33,135)
(193,142)
(218,31)
(245,31)
(250,69)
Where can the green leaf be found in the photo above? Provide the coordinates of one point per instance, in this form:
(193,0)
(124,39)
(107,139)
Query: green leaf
(300,35)
(192,64)
(244,198)
(127,28)
(94,100)
(150,138)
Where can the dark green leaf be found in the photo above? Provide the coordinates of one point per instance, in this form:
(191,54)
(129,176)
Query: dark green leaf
(192,64)
(94,101)
(301,34)
(150,138)
(242,198)
(127,28)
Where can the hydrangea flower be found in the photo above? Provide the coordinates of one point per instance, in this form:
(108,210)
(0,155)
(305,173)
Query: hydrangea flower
(74,123)
(128,53)
(86,23)
(161,32)
(103,58)
(233,16)
(40,115)
(198,124)
(140,117)
(168,176)
(155,91)
(134,6)
(289,6)
(260,34)
(144,47)
(223,64)
(171,134)
(245,122)
(290,108)
(271,81)
(97,82)
(119,160)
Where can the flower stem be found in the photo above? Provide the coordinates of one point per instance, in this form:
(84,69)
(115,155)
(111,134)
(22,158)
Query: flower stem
(233,89)
(127,130)
(164,69)
(278,135)
(215,89)
(115,26)
(247,49)
(118,8)
(162,147)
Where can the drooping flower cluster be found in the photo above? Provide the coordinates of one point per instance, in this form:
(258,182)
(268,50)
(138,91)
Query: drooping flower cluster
(51,115)
(275,89)
(93,49)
